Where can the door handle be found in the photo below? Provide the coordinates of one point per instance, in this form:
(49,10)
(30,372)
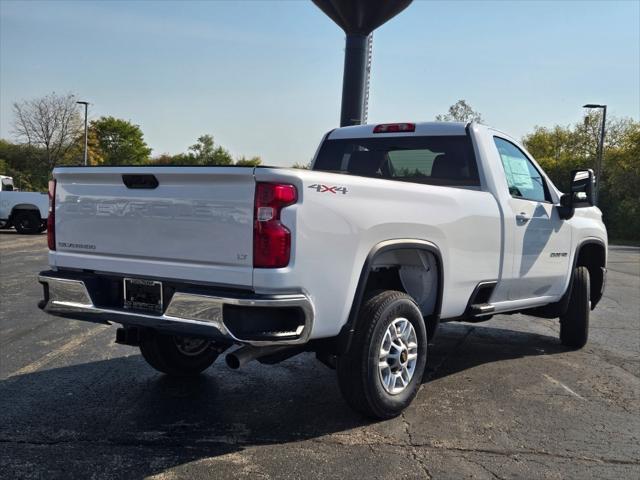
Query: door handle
(522,217)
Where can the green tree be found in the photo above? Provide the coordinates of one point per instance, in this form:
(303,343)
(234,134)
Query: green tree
(249,162)
(620,192)
(561,149)
(460,111)
(163,159)
(182,159)
(94,153)
(168,159)
(121,142)
(205,152)
(26,164)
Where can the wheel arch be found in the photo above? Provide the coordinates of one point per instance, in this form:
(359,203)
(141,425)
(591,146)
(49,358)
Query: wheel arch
(592,253)
(366,281)
(21,207)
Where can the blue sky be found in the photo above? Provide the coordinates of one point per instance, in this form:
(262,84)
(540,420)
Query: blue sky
(265,77)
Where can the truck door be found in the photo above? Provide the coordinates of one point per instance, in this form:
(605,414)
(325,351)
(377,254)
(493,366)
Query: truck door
(541,239)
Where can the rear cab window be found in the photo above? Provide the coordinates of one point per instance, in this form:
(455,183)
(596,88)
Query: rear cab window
(436,160)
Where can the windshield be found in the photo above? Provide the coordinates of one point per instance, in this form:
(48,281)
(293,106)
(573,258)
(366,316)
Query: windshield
(436,160)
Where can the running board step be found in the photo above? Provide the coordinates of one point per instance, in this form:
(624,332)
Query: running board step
(481,309)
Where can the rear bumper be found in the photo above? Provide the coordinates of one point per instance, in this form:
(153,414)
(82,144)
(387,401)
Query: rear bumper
(221,317)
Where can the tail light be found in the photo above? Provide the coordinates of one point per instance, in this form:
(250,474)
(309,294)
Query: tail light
(51,218)
(271,239)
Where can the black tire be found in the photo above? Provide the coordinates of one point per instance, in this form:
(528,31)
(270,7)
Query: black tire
(359,377)
(162,353)
(574,324)
(27,222)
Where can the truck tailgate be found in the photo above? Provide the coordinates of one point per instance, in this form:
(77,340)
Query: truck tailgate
(196,225)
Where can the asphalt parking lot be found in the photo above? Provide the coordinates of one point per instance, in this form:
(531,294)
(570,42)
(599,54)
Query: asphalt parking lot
(502,399)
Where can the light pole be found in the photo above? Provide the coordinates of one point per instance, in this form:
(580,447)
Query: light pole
(86,106)
(600,145)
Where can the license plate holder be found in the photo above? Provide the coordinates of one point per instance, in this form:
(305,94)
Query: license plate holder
(143,295)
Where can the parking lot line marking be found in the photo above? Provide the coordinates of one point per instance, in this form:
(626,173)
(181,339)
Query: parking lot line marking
(58,352)
(556,382)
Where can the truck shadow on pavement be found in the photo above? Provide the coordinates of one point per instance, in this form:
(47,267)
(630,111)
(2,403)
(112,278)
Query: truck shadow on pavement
(106,415)
(12,232)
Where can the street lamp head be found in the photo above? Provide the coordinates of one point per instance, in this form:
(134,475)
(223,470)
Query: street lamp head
(83,103)
(593,105)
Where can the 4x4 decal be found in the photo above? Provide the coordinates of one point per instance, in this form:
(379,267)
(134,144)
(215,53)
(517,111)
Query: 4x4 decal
(328,188)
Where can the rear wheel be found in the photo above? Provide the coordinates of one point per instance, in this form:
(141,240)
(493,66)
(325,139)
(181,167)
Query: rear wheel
(574,324)
(380,374)
(27,222)
(177,355)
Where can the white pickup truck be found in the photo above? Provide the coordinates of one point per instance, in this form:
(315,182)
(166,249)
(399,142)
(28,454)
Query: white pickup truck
(27,212)
(395,228)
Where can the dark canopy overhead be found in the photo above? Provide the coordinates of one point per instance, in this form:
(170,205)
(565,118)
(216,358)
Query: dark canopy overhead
(361,16)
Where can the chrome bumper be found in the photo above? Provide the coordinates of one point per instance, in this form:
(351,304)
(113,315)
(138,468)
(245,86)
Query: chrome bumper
(187,313)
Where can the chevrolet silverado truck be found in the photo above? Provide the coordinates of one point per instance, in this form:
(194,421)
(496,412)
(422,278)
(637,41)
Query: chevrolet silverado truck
(394,229)
(27,212)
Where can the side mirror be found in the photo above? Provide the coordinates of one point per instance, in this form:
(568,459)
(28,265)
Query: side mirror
(566,209)
(582,188)
(580,195)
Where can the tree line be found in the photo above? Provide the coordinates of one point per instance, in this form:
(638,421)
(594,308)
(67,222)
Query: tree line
(561,149)
(49,132)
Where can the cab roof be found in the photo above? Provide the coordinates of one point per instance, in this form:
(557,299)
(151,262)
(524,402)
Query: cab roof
(421,129)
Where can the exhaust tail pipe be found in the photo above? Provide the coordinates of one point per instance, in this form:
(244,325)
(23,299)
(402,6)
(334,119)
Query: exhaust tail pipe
(243,355)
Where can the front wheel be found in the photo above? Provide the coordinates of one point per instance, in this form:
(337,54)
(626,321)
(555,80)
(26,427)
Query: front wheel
(382,371)
(176,355)
(574,324)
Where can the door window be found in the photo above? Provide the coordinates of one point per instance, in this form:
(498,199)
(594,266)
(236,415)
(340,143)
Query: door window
(524,180)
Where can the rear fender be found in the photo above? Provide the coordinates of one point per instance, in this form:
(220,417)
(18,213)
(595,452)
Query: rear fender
(346,334)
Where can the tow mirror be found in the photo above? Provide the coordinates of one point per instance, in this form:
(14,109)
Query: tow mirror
(582,188)
(580,193)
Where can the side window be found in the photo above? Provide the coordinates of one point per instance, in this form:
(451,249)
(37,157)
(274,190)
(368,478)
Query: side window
(523,178)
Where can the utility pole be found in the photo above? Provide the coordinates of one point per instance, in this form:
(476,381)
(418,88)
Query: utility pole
(600,152)
(86,105)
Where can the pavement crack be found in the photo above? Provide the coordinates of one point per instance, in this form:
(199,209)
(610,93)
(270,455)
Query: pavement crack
(541,453)
(414,446)
(412,449)
(485,468)
(486,451)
